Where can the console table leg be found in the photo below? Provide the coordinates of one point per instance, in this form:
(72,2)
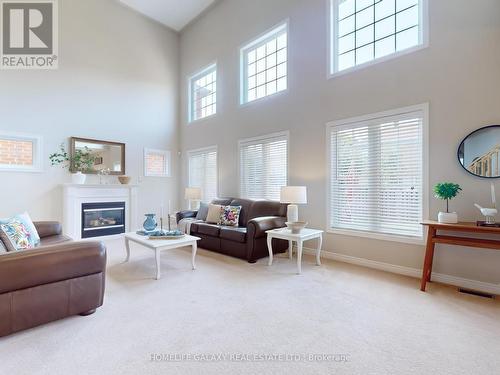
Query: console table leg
(157,256)
(429,255)
(127,247)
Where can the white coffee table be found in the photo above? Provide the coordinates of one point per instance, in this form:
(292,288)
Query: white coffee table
(305,235)
(159,245)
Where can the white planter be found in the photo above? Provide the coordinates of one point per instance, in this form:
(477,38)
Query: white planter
(78,178)
(448,217)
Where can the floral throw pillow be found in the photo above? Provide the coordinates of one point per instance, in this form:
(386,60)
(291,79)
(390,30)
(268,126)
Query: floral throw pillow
(15,235)
(230,215)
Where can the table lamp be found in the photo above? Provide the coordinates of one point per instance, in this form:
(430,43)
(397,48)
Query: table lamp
(192,194)
(293,195)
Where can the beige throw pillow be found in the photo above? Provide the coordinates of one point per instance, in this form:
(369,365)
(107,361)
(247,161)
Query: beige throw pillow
(213,216)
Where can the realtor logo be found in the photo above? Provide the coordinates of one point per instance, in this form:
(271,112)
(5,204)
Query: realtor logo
(28,34)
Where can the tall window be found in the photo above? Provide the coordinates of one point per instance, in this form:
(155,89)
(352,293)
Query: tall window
(264,65)
(19,152)
(203,172)
(377,174)
(203,93)
(366,30)
(263,166)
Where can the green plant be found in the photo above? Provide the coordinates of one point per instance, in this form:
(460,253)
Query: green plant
(81,161)
(446,191)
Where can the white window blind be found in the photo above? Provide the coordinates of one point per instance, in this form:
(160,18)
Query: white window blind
(203,172)
(263,166)
(377,175)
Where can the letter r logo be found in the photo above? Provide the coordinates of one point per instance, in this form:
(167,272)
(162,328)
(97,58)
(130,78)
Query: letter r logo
(27,28)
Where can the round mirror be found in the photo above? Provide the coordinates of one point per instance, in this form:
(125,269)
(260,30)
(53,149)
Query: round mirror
(479,152)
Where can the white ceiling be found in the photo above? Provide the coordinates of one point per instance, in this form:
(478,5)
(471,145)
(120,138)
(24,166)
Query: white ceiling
(173,13)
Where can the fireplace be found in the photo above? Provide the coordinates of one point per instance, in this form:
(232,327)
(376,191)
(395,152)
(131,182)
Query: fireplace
(103,219)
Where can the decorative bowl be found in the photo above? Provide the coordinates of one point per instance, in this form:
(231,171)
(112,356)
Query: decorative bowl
(124,180)
(296,226)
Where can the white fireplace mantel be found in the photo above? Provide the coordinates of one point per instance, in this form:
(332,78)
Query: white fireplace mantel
(75,195)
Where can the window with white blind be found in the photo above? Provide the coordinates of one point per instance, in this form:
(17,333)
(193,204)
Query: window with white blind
(263,166)
(203,93)
(364,31)
(264,65)
(377,174)
(203,172)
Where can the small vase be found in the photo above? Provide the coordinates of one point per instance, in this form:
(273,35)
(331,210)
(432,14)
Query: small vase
(78,178)
(150,222)
(448,217)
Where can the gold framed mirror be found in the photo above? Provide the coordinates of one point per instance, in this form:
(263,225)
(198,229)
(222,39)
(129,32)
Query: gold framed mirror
(109,156)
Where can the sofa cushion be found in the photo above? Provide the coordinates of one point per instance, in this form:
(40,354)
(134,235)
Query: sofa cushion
(229,216)
(25,219)
(245,205)
(204,228)
(15,235)
(202,212)
(214,211)
(236,234)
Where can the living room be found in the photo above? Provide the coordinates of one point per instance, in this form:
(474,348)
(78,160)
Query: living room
(319,175)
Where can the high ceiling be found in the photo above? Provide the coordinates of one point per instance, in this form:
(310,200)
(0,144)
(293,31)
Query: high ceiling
(175,14)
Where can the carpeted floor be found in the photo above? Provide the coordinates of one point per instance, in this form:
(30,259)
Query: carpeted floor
(333,319)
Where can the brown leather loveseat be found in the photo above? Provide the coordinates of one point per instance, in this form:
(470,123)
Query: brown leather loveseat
(249,239)
(58,279)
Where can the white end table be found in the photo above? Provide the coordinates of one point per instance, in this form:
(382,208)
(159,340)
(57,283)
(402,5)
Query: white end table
(159,245)
(286,234)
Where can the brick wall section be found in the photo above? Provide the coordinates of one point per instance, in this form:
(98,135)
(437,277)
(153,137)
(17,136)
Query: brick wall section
(16,152)
(155,164)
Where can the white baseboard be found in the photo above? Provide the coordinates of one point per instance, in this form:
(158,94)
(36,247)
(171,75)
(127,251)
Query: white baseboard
(409,271)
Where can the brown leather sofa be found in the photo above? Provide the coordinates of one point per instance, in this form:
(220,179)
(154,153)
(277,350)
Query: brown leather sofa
(58,279)
(248,240)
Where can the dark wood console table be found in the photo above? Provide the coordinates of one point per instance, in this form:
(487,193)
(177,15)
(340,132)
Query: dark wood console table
(433,238)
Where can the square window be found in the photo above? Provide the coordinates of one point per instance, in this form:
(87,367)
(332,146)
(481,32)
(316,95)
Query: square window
(366,27)
(259,75)
(203,87)
(156,163)
(281,84)
(19,152)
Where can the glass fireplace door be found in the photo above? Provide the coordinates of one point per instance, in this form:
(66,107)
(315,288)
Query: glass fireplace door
(103,219)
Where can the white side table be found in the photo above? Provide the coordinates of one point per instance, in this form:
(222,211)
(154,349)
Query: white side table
(286,234)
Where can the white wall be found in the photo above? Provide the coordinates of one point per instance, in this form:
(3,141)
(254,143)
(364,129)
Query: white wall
(117,80)
(458,75)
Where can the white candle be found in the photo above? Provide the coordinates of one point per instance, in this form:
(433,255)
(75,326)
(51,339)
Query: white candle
(493,198)
(168,208)
(162,213)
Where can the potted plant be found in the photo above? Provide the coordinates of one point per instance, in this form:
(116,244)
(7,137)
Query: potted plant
(447,191)
(81,162)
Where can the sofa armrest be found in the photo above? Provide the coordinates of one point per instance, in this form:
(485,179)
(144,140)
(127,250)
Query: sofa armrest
(49,264)
(48,228)
(185,214)
(257,227)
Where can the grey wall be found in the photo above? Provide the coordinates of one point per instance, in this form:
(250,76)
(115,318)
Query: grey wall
(117,80)
(458,75)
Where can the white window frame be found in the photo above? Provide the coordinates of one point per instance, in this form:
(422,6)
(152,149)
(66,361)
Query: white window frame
(204,150)
(208,69)
(424,110)
(333,45)
(168,164)
(255,140)
(37,142)
(255,43)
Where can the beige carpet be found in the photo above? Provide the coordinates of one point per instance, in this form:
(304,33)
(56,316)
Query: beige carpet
(362,321)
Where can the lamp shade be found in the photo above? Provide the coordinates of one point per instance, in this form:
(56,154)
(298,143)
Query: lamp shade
(192,193)
(293,194)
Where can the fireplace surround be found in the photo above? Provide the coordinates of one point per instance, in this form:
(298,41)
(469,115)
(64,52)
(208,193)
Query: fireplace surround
(99,210)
